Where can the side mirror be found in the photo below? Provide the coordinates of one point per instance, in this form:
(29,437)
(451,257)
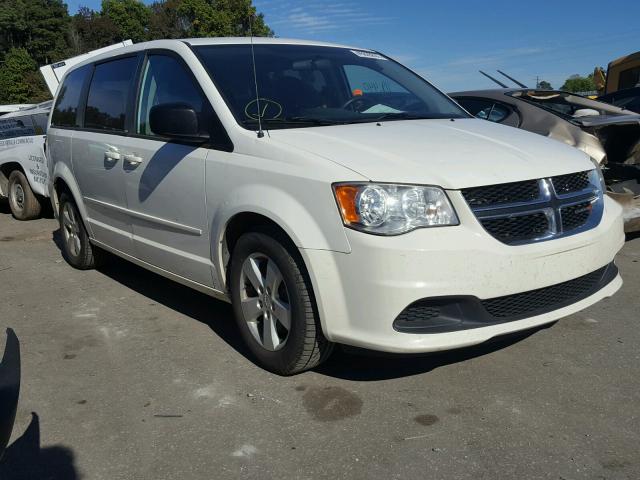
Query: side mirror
(175,120)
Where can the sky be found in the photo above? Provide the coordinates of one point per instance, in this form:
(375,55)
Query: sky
(449,41)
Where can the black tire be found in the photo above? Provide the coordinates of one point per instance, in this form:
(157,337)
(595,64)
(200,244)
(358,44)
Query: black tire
(84,256)
(305,346)
(23,202)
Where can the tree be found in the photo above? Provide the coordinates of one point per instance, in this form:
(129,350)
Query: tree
(544,85)
(576,83)
(40,26)
(221,18)
(131,17)
(89,31)
(18,82)
(39,32)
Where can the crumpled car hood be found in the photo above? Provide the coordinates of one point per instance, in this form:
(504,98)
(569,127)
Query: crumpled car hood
(606,120)
(452,154)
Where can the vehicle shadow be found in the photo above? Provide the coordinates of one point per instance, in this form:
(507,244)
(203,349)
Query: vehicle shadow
(26,460)
(365,365)
(216,314)
(4,206)
(346,362)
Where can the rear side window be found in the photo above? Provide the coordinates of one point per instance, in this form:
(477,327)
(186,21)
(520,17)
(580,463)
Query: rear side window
(485,109)
(108,92)
(14,127)
(65,111)
(629,78)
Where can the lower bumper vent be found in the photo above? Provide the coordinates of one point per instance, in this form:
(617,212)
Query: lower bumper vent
(453,313)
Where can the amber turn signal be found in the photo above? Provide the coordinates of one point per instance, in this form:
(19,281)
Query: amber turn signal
(346,197)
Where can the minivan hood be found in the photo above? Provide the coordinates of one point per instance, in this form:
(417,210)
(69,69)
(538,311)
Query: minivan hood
(452,154)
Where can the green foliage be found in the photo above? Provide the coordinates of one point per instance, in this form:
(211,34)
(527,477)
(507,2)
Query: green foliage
(18,80)
(544,85)
(130,16)
(40,26)
(38,32)
(577,83)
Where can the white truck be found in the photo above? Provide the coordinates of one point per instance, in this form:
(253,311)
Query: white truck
(23,162)
(23,165)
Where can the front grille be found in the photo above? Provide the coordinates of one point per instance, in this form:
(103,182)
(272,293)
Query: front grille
(535,210)
(574,182)
(575,216)
(543,299)
(507,229)
(516,192)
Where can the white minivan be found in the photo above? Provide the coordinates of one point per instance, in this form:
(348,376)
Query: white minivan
(329,193)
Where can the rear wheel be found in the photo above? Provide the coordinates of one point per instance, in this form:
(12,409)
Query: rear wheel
(274,305)
(23,202)
(76,247)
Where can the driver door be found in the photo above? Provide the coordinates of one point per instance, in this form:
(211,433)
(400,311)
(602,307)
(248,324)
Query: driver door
(165,180)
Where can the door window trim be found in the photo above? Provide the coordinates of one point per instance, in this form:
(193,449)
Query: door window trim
(224,144)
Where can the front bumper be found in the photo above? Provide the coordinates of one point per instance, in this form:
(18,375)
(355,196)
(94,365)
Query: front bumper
(360,294)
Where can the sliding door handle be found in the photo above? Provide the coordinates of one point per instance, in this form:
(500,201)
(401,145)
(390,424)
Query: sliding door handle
(111,155)
(133,159)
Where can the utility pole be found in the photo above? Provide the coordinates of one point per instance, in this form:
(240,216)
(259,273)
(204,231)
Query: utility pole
(537,81)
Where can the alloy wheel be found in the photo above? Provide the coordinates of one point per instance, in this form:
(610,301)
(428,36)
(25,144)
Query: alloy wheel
(265,301)
(71,230)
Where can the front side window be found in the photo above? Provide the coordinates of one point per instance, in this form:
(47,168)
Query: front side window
(65,111)
(303,85)
(165,81)
(107,99)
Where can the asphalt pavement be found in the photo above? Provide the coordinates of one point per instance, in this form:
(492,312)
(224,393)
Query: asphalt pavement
(127,375)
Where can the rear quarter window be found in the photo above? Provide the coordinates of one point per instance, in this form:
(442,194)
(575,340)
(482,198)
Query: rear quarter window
(65,111)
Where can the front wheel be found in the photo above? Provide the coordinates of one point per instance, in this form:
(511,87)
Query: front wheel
(23,202)
(274,305)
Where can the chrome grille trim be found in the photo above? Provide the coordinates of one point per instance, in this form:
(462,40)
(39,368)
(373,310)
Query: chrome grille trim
(550,202)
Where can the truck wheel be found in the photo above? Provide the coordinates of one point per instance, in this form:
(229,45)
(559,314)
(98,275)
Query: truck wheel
(274,305)
(76,247)
(22,201)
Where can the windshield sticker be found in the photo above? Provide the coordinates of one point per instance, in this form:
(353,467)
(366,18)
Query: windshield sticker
(379,108)
(372,55)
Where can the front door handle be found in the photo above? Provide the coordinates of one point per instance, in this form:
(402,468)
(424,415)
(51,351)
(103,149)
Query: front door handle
(111,155)
(133,159)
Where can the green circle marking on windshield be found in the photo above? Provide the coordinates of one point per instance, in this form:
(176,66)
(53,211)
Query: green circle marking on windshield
(263,109)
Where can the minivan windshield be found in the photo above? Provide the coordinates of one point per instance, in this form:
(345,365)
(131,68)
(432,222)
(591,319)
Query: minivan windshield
(304,85)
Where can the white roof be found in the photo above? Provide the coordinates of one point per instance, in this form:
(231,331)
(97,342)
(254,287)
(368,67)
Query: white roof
(44,107)
(260,41)
(136,47)
(14,108)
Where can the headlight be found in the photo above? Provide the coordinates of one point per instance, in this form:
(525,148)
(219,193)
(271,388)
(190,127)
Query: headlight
(599,175)
(387,209)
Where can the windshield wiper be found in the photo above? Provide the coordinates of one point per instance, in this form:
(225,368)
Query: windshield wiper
(403,116)
(309,121)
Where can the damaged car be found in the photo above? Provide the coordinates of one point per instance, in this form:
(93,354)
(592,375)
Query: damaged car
(610,135)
